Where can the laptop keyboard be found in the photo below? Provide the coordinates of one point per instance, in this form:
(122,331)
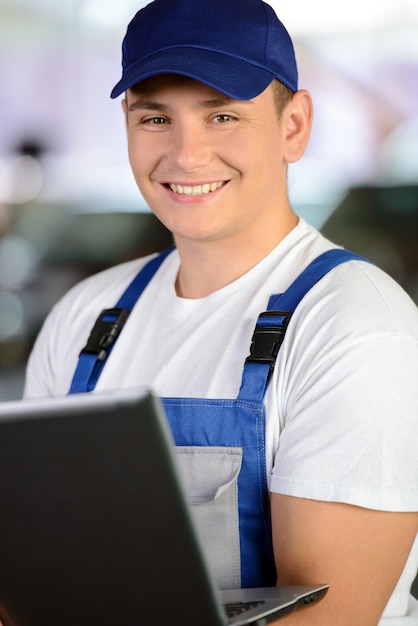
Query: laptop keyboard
(235,608)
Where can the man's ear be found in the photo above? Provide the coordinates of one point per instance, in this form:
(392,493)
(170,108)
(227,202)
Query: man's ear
(297,123)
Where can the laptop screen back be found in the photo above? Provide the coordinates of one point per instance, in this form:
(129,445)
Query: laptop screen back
(94,529)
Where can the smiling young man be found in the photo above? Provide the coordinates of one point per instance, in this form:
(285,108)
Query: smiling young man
(306,458)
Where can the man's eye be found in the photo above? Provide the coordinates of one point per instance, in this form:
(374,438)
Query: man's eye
(223,118)
(157,121)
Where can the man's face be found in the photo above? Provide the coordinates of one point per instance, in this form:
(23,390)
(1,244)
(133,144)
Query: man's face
(211,168)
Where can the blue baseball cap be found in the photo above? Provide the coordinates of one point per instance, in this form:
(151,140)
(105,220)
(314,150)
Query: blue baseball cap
(235,46)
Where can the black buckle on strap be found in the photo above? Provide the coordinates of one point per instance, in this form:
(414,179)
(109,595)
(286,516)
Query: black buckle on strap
(266,340)
(105,332)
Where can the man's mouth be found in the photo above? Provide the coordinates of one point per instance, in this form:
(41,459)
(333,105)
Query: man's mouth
(195,190)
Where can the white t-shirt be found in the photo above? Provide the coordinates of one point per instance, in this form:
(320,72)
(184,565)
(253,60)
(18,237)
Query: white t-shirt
(343,396)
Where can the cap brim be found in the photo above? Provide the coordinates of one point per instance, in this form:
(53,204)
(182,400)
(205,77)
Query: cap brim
(234,77)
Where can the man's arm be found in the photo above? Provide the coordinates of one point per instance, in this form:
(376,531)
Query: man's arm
(361,553)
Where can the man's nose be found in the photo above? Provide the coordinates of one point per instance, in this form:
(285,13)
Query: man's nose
(190,149)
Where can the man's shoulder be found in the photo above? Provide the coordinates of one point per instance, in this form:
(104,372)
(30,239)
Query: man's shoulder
(357,287)
(359,297)
(110,282)
(83,302)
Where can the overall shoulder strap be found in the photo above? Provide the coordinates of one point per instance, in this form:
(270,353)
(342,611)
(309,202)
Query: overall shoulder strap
(267,338)
(107,329)
(271,325)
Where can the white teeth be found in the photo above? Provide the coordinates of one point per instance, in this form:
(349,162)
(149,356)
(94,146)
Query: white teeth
(195,190)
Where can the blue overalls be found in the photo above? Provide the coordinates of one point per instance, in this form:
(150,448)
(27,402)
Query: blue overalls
(220,443)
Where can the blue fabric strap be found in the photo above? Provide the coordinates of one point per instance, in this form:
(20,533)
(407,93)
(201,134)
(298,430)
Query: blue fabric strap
(271,325)
(289,300)
(267,338)
(141,280)
(107,328)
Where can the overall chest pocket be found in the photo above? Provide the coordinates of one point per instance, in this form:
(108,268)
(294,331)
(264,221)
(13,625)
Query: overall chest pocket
(210,475)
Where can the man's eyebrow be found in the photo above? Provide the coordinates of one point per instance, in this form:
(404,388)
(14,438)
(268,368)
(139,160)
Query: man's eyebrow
(221,101)
(147,104)
(212,103)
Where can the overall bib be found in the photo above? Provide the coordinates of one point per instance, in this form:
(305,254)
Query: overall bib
(220,443)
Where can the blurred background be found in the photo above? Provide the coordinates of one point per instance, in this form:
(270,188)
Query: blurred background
(68,203)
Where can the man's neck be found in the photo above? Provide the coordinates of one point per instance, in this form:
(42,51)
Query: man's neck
(206,267)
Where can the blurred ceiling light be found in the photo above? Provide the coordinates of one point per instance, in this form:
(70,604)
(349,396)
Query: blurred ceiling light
(21,180)
(108,13)
(399,153)
(18,260)
(305,17)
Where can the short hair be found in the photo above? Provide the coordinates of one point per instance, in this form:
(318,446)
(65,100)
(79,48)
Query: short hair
(282,96)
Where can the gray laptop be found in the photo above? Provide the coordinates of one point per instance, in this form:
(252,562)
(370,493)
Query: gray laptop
(95,529)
